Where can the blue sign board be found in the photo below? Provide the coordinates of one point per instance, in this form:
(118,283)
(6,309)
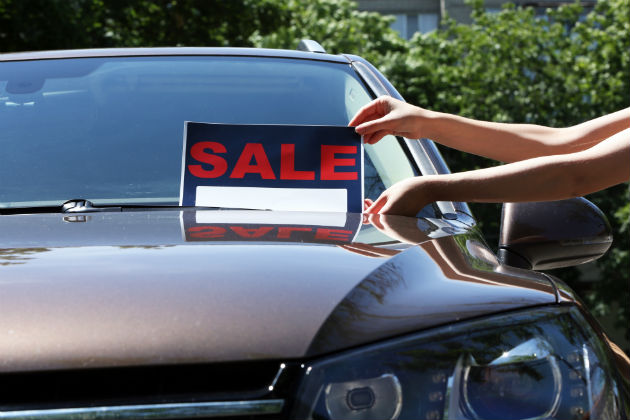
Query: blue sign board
(276,167)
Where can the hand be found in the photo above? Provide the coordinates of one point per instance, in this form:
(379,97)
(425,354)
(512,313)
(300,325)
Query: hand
(367,202)
(387,115)
(405,198)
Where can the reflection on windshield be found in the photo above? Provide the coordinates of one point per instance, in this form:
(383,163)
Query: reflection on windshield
(111,129)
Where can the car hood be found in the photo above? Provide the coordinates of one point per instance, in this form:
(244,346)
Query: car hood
(163,287)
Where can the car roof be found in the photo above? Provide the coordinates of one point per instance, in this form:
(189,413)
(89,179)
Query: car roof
(172,51)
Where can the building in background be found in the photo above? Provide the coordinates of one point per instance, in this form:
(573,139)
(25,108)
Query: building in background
(424,15)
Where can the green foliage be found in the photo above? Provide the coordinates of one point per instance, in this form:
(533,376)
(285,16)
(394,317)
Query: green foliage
(43,24)
(191,22)
(27,25)
(514,66)
(338,27)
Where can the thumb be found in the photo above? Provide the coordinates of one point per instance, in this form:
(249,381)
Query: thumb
(381,124)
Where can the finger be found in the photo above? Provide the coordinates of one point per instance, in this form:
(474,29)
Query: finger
(384,123)
(375,109)
(375,137)
(365,114)
(367,203)
(386,208)
(378,204)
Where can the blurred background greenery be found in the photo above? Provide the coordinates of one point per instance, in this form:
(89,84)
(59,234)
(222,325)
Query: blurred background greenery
(558,68)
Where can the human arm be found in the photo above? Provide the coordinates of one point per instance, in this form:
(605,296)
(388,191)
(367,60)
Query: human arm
(539,179)
(499,141)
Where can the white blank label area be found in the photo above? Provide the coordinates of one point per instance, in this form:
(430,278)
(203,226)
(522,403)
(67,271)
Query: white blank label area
(284,199)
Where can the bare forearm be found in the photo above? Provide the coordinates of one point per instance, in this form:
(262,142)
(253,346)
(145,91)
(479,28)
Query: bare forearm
(515,142)
(498,141)
(543,178)
(538,179)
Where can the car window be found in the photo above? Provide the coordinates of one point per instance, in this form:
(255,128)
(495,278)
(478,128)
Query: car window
(110,129)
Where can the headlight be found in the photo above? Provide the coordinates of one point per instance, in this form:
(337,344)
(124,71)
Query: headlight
(537,364)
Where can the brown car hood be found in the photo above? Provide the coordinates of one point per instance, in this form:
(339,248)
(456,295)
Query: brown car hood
(164,287)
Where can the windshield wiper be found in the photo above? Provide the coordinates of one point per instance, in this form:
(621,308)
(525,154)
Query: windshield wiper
(85,206)
(80,205)
(70,206)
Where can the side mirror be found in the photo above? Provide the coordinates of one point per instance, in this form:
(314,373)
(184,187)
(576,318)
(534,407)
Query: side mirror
(553,234)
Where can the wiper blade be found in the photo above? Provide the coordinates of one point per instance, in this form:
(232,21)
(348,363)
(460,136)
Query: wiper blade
(80,205)
(85,206)
(70,206)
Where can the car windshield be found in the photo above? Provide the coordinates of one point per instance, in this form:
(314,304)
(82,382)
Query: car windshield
(110,130)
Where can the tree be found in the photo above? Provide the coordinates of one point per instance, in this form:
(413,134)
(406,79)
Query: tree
(27,25)
(339,27)
(516,66)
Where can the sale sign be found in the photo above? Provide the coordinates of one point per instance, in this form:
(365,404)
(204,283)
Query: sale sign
(272,167)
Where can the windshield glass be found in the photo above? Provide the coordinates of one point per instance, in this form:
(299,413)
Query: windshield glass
(110,129)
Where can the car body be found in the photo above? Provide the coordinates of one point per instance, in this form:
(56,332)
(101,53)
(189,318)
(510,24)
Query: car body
(115,302)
